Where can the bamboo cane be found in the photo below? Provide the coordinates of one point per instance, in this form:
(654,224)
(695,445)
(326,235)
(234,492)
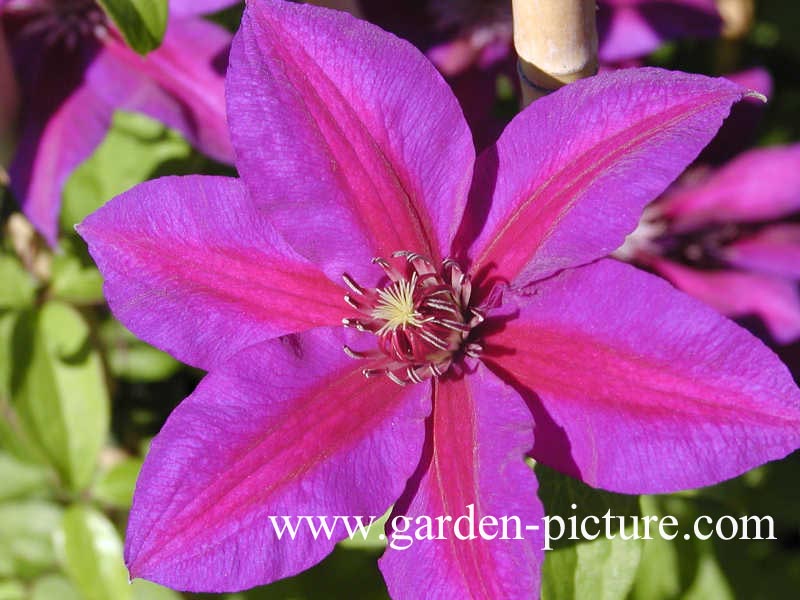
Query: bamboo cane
(556,41)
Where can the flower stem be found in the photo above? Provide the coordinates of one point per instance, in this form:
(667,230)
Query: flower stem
(9,107)
(556,41)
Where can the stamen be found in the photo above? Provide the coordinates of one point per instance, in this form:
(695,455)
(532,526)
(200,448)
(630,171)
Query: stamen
(412,375)
(395,379)
(435,341)
(351,302)
(422,318)
(352,284)
(352,353)
(454,325)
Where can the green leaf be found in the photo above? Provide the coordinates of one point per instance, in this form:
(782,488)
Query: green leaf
(146,590)
(710,581)
(115,486)
(343,575)
(375,540)
(600,569)
(18,288)
(12,590)
(59,390)
(26,538)
(75,282)
(142,22)
(134,149)
(132,359)
(19,479)
(685,567)
(14,437)
(52,587)
(8,321)
(91,551)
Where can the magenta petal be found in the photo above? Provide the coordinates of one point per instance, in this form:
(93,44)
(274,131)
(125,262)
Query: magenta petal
(181,83)
(288,427)
(346,131)
(478,435)
(774,250)
(774,299)
(759,185)
(191,267)
(570,175)
(192,8)
(638,388)
(46,157)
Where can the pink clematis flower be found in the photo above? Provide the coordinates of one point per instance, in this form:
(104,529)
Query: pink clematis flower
(630,29)
(728,237)
(447,371)
(74,71)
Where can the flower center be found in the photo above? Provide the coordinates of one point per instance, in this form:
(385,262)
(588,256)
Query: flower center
(422,318)
(56,22)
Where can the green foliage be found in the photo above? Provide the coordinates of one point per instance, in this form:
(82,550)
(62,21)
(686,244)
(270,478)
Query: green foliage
(75,279)
(26,538)
(18,287)
(344,575)
(91,551)
(130,358)
(58,389)
(142,22)
(135,149)
(375,540)
(603,568)
(54,586)
(115,486)
(19,479)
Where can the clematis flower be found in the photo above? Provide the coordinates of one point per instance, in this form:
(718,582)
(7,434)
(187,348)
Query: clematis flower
(729,237)
(388,321)
(74,71)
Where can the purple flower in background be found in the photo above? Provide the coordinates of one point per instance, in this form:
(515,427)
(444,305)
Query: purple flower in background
(730,238)
(630,29)
(470,42)
(74,71)
(340,384)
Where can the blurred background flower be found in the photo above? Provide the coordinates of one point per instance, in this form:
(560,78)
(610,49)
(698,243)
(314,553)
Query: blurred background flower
(74,70)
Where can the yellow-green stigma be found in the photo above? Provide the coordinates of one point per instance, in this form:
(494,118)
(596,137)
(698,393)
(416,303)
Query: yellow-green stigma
(396,306)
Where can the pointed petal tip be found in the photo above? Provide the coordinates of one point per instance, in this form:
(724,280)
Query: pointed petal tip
(556,205)
(757,95)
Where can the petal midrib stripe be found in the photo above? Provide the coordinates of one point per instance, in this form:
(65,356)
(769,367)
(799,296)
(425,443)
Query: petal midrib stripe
(587,175)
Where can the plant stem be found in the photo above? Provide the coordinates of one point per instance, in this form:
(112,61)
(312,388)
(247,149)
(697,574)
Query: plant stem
(9,107)
(556,41)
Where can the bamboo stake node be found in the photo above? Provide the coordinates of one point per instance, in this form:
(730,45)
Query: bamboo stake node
(556,41)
